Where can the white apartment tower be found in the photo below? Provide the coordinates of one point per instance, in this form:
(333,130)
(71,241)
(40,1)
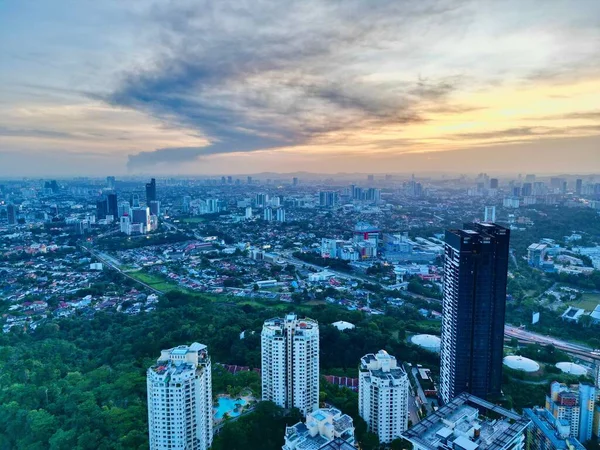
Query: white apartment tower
(290,363)
(383,395)
(180,399)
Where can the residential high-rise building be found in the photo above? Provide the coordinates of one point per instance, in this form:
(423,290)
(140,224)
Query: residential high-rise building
(323,427)
(248,214)
(383,395)
(328,199)
(110,182)
(527,189)
(180,413)
(113,205)
(578,186)
(186,204)
(151,191)
(268,214)
(493,183)
(11,212)
(249,180)
(290,362)
(549,433)
(262,199)
(470,423)
(489,215)
(473,308)
(295,181)
(574,405)
(280,215)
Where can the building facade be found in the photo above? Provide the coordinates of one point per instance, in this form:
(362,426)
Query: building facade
(474,301)
(180,414)
(383,395)
(549,433)
(575,406)
(290,362)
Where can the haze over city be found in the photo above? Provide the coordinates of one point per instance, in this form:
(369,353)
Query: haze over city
(167,88)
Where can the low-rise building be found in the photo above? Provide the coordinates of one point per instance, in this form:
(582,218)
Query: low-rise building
(469,423)
(321,428)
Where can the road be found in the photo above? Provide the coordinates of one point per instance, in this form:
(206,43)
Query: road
(569,347)
(111,262)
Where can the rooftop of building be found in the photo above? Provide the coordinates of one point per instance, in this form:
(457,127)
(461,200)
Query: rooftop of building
(544,421)
(322,422)
(460,424)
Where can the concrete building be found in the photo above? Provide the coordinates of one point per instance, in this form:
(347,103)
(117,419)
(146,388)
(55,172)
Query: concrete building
(489,214)
(549,433)
(268,214)
(290,362)
(322,427)
(280,215)
(536,254)
(383,395)
(469,423)
(154,208)
(575,406)
(180,414)
(248,213)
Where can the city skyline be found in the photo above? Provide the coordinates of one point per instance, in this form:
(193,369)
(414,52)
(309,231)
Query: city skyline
(453,85)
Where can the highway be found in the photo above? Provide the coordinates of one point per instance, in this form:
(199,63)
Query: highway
(111,262)
(569,347)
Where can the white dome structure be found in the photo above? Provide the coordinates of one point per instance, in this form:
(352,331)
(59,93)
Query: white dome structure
(521,363)
(427,341)
(572,368)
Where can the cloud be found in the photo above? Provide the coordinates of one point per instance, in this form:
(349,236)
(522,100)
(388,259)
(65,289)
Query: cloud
(260,75)
(15,132)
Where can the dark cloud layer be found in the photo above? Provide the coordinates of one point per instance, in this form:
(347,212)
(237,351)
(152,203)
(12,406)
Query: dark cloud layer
(262,74)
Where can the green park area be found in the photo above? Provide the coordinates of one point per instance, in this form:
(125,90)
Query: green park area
(588,301)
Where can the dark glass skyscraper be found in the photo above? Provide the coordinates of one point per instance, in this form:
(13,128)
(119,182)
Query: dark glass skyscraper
(113,207)
(151,191)
(475,275)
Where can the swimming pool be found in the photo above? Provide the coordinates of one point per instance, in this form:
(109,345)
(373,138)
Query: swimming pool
(227,405)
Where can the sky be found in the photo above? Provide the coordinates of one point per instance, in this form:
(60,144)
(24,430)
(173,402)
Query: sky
(183,87)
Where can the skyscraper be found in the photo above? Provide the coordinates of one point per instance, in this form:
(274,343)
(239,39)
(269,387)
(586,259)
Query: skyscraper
(578,186)
(11,211)
(383,395)
(290,362)
(113,205)
(180,399)
(101,208)
(110,182)
(154,208)
(473,307)
(151,191)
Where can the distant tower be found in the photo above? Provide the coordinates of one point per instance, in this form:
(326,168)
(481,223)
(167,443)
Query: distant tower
(290,363)
(280,215)
(473,308)
(489,215)
(248,214)
(268,214)
(11,211)
(151,191)
(113,205)
(180,413)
